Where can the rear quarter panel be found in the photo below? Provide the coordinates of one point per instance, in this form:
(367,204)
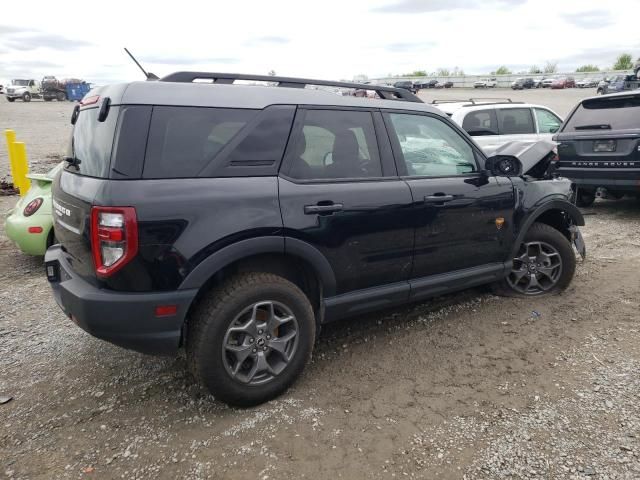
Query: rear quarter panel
(183,221)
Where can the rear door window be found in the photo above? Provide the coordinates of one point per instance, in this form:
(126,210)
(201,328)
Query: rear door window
(512,121)
(335,144)
(183,140)
(92,142)
(603,114)
(481,122)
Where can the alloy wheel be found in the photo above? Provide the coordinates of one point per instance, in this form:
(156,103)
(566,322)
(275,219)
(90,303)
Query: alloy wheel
(260,342)
(536,268)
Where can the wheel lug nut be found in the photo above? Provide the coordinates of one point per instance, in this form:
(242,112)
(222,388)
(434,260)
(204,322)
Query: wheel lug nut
(264,348)
(259,332)
(268,337)
(251,340)
(255,350)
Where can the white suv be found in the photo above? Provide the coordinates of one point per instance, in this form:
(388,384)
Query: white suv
(486,83)
(492,124)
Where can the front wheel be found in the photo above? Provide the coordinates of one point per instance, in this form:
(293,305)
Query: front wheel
(9,99)
(26,97)
(250,338)
(544,264)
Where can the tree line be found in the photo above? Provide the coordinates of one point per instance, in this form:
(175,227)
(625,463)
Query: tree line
(624,61)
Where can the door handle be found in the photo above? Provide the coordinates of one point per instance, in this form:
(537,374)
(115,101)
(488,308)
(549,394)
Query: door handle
(323,209)
(438,198)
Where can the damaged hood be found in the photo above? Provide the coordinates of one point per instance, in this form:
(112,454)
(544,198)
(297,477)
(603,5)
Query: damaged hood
(530,153)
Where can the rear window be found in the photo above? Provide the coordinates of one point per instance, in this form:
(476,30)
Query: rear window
(184,140)
(602,114)
(92,142)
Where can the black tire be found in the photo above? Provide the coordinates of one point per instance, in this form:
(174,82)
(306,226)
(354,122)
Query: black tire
(540,232)
(51,238)
(585,198)
(26,97)
(61,96)
(11,99)
(207,331)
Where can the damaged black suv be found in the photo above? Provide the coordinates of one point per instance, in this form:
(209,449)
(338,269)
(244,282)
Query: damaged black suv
(234,220)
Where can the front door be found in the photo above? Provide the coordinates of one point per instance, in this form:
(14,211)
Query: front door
(461,215)
(340,193)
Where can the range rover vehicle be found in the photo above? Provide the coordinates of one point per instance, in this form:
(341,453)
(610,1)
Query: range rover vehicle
(235,220)
(599,146)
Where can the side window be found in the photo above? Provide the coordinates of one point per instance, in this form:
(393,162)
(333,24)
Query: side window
(335,144)
(515,121)
(481,122)
(547,121)
(183,140)
(430,147)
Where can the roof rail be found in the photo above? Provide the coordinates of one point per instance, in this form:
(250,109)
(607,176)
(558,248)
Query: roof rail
(475,100)
(387,93)
(450,100)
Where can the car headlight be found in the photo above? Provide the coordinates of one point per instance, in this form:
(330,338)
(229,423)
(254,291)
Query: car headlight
(32,207)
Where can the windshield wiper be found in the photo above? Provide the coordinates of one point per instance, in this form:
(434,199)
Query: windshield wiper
(595,126)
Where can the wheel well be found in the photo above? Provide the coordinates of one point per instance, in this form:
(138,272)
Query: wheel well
(294,269)
(558,219)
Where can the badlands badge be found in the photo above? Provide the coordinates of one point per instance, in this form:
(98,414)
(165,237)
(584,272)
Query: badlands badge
(499,222)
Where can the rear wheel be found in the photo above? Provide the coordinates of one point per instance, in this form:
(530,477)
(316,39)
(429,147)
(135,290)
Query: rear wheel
(585,198)
(26,97)
(544,263)
(61,96)
(250,338)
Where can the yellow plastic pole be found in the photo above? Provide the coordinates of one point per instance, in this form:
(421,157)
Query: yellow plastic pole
(20,152)
(11,138)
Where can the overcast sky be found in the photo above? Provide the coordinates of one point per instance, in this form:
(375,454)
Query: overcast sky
(323,39)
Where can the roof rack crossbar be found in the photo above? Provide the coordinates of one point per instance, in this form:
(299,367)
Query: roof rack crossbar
(385,92)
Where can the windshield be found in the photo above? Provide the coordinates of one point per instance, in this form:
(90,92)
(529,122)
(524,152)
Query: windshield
(20,83)
(615,113)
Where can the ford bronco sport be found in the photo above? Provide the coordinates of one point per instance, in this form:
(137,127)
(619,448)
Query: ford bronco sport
(234,220)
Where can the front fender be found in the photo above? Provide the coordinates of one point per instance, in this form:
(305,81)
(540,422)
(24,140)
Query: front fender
(569,209)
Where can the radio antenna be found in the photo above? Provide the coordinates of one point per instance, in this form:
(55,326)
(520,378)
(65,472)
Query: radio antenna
(149,75)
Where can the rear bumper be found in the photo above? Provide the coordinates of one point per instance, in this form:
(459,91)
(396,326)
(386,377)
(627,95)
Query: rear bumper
(619,179)
(125,319)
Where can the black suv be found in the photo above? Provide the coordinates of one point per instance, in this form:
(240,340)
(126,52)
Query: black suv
(406,85)
(599,146)
(234,220)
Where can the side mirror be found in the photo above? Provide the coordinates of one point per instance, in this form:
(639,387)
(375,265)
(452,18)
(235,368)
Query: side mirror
(504,166)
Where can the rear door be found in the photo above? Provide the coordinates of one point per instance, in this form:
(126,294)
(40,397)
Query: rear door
(516,124)
(340,193)
(460,214)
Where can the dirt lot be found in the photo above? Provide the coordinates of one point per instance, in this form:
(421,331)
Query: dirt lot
(466,386)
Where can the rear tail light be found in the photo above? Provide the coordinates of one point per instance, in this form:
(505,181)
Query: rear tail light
(32,207)
(114,238)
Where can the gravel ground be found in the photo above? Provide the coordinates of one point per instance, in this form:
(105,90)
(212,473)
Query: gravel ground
(467,386)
